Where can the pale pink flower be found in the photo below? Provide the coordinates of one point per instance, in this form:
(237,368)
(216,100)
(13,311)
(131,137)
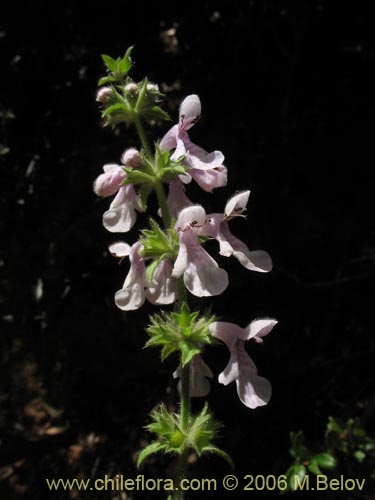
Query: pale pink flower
(110,182)
(104,94)
(206,169)
(162,289)
(152,87)
(202,275)
(177,199)
(252,389)
(199,386)
(131,158)
(132,294)
(131,87)
(217,227)
(121,215)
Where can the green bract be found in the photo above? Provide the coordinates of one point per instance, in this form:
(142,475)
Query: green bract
(198,435)
(129,100)
(117,68)
(157,243)
(182,331)
(153,171)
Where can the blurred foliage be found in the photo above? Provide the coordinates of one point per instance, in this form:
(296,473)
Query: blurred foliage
(347,450)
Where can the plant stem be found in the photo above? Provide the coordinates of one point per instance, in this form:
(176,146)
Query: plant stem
(163,204)
(142,135)
(158,185)
(182,299)
(185,397)
(180,474)
(184,401)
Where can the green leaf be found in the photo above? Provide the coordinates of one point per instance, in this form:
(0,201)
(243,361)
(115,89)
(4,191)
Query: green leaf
(106,79)
(167,350)
(115,108)
(296,470)
(110,63)
(336,425)
(125,63)
(144,192)
(163,423)
(298,449)
(169,173)
(152,448)
(201,421)
(325,460)
(188,351)
(136,176)
(359,455)
(157,113)
(141,96)
(314,468)
(151,268)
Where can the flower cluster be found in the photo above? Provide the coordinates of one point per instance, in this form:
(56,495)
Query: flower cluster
(121,215)
(161,257)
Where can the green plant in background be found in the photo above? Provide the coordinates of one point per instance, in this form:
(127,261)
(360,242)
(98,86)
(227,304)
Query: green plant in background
(347,448)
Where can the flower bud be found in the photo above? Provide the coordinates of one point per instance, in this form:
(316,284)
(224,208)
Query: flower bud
(109,182)
(131,158)
(103,95)
(131,87)
(152,87)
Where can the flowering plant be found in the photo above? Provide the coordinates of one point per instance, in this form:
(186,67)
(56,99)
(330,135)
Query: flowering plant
(168,261)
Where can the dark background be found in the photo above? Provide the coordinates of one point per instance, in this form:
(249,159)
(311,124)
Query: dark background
(288,95)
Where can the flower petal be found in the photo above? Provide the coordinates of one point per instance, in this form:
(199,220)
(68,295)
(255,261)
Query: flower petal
(206,279)
(121,216)
(110,166)
(177,199)
(190,111)
(236,205)
(130,298)
(257,260)
(132,295)
(120,219)
(210,179)
(212,226)
(180,150)
(252,390)
(119,249)
(228,332)
(169,141)
(199,372)
(202,276)
(260,328)
(193,216)
(131,158)
(181,262)
(231,371)
(110,182)
(202,159)
(163,289)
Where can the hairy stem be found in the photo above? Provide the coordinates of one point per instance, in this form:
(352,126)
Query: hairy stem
(184,401)
(180,474)
(163,204)
(185,397)
(182,299)
(142,135)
